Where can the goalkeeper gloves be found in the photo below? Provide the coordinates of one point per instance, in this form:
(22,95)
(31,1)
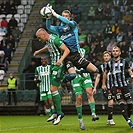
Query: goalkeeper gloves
(53,12)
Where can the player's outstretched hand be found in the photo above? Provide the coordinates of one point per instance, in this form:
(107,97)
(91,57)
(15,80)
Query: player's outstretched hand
(53,12)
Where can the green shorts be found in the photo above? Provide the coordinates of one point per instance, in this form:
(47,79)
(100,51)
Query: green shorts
(45,95)
(57,73)
(81,83)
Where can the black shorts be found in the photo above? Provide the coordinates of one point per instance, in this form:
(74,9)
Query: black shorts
(74,59)
(121,93)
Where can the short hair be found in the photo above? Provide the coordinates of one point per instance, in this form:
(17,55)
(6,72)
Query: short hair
(67,11)
(106,52)
(116,47)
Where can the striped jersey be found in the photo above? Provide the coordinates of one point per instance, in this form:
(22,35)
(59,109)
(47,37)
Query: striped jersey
(43,74)
(54,43)
(117,73)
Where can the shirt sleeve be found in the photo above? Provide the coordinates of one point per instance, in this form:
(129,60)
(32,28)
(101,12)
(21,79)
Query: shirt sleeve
(51,28)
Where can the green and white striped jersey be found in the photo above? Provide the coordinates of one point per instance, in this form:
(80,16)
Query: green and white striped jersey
(43,74)
(54,43)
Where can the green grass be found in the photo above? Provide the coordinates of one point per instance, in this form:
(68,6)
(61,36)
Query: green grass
(69,124)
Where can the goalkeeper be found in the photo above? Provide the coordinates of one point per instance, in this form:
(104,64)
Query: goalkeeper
(68,32)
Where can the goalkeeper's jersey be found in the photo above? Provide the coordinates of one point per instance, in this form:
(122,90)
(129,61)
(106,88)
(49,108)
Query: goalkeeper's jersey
(43,74)
(67,31)
(54,43)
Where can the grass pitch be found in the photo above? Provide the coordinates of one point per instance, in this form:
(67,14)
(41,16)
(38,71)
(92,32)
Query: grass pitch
(69,124)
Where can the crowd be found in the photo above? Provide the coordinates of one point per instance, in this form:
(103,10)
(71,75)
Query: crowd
(9,32)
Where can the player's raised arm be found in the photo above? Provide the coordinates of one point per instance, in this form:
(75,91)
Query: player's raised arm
(44,49)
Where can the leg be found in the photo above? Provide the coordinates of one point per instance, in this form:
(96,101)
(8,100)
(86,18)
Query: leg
(110,112)
(57,103)
(47,107)
(71,72)
(91,102)
(122,107)
(79,111)
(92,68)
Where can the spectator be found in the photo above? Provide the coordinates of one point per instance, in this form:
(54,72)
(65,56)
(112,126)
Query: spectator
(115,29)
(99,37)
(4,7)
(119,38)
(116,4)
(124,50)
(130,27)
(89,39)
(114,14)
(128,37)
(8,52)
(13,23)
(111,45)
(77,13)
(12,8)
(127,17)
(10,40)
(99,12)
(12,84)
(107,31)
(123,6)
(30,69)
(29,72)
(3,25)
(92,54)
(2,54)
(100,48)
(107,12)
(16,34)
(123,27)
(91,13)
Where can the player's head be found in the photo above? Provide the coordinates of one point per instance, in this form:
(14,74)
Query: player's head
(44,61)
(116,52)
(106,56)
(66,14)
(42,35)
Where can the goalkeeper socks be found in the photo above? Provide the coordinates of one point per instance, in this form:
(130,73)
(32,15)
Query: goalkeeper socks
(110,112)
(79,111)
(57,101)
(69,77)
(92,107)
